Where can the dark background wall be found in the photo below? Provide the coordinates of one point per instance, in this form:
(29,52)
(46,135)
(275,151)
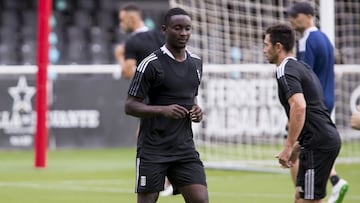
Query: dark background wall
(83,31)
(85,110)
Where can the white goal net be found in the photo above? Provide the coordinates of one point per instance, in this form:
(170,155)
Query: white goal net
(244,124)
(229,31)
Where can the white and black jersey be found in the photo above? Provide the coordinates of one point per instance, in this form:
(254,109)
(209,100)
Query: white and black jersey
(319,132)
(164,81)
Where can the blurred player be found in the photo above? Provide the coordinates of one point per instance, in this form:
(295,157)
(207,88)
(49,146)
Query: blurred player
(140,43)
(316,50)
(169,78)
(312,136)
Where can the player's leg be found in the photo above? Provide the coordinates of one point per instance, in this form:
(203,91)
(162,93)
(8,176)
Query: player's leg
(188,178)
(147,197)
(150,178)
(195,193)
(339,187)
(313,174)
(294,171)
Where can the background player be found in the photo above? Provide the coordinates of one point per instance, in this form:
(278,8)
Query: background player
(310,128)
(315,49)
(139,44)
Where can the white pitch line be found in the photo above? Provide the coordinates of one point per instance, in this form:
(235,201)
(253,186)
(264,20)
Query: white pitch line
(73,187)
(52,186)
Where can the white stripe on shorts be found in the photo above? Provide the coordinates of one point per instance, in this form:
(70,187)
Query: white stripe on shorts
(137,173)
(309,184)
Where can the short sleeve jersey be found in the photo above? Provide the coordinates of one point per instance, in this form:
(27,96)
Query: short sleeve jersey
(296,77)
(141,44)
(316,50)
(164,81)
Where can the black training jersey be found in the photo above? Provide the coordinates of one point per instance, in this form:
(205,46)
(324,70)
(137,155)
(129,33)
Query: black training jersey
(163,81)
(140,45)
(319,131)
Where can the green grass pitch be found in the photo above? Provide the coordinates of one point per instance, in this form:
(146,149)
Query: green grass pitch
(107,175)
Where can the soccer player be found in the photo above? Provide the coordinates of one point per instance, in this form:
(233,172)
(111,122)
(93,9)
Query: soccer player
(315,49)
(169,78)
(140,43)
(311,133)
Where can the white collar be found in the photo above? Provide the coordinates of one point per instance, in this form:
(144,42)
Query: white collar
(285,60)
(166,51)
(307,31)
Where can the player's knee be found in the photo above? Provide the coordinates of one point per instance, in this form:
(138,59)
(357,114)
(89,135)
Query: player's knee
(147,197)
(195,194)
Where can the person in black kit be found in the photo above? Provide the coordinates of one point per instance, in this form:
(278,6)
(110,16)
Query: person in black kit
(169,79)
(311,131)
(139,44)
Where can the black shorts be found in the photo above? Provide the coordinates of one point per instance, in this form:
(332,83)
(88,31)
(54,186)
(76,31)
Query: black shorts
(314,171)
(150,177)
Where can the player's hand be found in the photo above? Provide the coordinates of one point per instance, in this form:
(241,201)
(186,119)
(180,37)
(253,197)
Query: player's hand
(196,114)
(284,157)
(175,111)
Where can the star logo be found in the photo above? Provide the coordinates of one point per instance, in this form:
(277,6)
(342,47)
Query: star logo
(22,94)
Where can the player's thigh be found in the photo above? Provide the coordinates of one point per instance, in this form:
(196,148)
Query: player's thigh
(150,177)
(147,197)
(183,173)
(314,170)
(195,193)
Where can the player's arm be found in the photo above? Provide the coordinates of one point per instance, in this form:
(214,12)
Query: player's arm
(127,65)
(297,115)
(128,68)
(138,90)
(135,106)
(296,122)
(130,58)
(196,112)
(119,52)
(355,119)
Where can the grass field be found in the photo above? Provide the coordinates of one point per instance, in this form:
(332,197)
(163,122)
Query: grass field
(107,176)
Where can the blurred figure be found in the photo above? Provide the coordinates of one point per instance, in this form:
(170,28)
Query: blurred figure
(315,49)
(355,119)
(140,43)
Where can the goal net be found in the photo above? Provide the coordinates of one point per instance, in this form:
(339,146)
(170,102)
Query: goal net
(244,124)
(228,31)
